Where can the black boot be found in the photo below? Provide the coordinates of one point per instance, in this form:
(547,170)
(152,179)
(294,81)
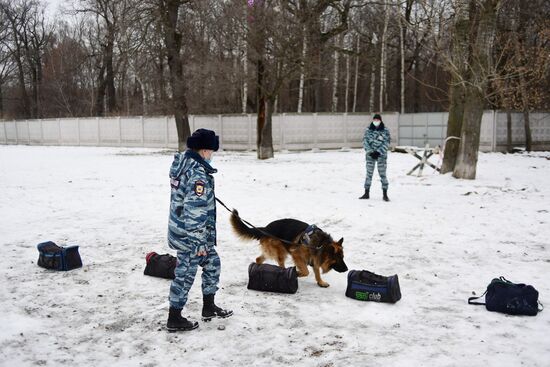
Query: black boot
(178,323)
(210,310)
(365,195)
(385,193)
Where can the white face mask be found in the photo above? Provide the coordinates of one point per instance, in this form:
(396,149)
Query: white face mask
(376,122)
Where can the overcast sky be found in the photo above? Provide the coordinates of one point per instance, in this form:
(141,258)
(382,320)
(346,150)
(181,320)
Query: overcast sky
(52,6)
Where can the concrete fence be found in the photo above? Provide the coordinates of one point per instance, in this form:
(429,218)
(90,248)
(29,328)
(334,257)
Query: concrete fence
(290,131)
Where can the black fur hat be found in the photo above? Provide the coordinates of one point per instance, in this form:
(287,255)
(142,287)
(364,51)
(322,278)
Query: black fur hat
(203,139)
(377,117)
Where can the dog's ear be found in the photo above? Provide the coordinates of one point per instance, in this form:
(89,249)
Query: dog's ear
(341,241)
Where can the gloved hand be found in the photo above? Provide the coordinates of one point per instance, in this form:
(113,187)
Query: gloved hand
(375,155)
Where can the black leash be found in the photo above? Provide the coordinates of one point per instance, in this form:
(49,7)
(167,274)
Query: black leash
(261,231)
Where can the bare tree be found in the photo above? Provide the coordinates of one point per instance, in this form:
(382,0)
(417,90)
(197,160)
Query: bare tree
(110,16)
(17,14)
(7,65)
(523,60)
(471,67)
(318,34)
(36,35)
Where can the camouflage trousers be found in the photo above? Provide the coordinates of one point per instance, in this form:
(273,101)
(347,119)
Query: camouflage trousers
(381,162)
(186,269)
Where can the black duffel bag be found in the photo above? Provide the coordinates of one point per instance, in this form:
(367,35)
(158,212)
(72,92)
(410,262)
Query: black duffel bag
(366,286)
(271,278)
(160,266)
(54,257)
(514,299)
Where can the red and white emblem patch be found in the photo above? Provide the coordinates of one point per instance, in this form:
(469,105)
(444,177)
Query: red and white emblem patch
(199,188)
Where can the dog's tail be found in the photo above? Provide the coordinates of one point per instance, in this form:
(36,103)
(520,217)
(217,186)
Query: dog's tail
(242,230)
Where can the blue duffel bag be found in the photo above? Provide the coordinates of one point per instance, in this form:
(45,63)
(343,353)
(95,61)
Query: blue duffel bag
(367,286)
(54,257)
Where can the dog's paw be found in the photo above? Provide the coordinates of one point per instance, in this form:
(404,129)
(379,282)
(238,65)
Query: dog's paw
(302,273)
(323,284)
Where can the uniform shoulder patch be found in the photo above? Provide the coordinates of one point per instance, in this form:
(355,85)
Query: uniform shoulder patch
(199,187)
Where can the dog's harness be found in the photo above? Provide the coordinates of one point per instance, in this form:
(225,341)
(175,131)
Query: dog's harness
(305,238)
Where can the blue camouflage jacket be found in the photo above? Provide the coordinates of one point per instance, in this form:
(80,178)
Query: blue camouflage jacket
(377,139)
(192,220)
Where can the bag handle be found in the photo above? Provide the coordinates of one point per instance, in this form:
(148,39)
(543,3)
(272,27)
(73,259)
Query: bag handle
(476,303)
(541,306)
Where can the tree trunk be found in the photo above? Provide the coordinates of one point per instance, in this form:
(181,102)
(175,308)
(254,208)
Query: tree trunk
(318,85)
(265,147)
(454,127)
(336,77)
(482,25)
(459,55)
(302,74)
(356,76)
(508,130)
(383,57)
(346,94)
(100,95)
(110,75)
(162,82)
(179,102)
(172,40)
(245,78)
(264,140)
(402,54)
(466,162)
(1,103)
(22,87)
(39,77)
(372,87)
(525,103)
(34,89)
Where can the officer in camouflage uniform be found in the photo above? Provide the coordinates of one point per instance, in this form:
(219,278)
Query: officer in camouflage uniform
(192,229)
(376,143)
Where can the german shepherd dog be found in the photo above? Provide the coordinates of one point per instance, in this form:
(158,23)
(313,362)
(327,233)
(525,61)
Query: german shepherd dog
(321,252)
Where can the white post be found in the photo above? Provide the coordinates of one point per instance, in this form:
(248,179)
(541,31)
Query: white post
(281,131)
(249,132)
(345,129)
(5,133)
(142,125)
(220,122)
(426,141)
(315,130)
(192,123)
(396,138)
(78,131)
(28,133)
(494,143)
(59,131)
(42,131)
(167,137)
(98,132)
(119,131)
(16,133)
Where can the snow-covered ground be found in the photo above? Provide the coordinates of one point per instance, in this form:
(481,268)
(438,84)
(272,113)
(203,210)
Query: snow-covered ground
(445,238)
